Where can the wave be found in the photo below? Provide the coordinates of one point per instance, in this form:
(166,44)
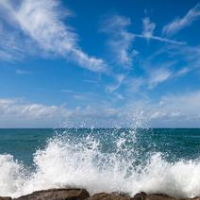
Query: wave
(84,162)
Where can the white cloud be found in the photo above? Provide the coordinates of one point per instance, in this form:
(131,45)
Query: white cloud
(22,72)
(166,40)
(5,55)
(43,22)
(120,39)
(12,48)
(183,71)
(119,80)
(148,33)
(18,113)
(134,85)
(187,103)
(148,28)
(180,23)
(188,58)
(79,97)
(20,108)
(15,112)
(173,110)
(160,39)
(89,62)
(158,76)
(191,55)
(155,75)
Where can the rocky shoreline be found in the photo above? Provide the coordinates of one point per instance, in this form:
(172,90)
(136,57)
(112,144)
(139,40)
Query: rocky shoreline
(83,194)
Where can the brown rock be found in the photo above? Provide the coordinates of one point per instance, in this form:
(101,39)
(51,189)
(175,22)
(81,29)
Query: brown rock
(144,196)
(112,196)
(160,197)
(57,194)
(5,198)
(140,196)
(195,198)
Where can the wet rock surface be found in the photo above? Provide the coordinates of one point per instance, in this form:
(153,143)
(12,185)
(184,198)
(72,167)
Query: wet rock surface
(5,198)
(144,196)
(111,196)
(83,194)
(57,194)
(195,198)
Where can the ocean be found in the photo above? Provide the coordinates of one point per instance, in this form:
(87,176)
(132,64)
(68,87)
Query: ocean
(100,160)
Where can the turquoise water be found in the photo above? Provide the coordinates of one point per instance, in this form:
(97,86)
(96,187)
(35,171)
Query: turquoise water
(22,143)
(100,160)
(173,143)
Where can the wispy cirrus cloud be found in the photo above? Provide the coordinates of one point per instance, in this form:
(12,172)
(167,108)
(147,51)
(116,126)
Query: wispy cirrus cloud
(148,33)
(148,28)
(120,40)
(189,58)
(161,39)
(153,78)
(5,55)
(182,22)
(22,72)
(12,47)
(158,76)
(42,22)
(119,81)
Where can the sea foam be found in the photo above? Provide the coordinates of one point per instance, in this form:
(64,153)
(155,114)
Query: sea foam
(68,162)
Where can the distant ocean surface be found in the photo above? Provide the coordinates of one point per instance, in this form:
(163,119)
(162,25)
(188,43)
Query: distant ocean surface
(127,160)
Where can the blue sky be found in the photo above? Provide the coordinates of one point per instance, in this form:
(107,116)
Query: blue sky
(99,63)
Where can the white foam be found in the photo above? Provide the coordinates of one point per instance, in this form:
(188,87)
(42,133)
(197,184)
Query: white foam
(67,163)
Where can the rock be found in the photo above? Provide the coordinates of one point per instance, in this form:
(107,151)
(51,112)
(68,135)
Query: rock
(5,198)
(140,196)
(57,194)
(144,196)
(82,194)
(159,197)
(194,198)
(112,196)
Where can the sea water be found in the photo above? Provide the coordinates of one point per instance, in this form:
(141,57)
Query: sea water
(100,160)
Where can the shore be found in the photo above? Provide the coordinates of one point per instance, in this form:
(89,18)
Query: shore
(83,194)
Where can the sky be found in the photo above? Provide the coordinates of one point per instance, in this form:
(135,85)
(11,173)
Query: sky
(99,63)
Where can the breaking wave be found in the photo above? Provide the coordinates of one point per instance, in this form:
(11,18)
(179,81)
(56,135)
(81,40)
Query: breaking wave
(92,163)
